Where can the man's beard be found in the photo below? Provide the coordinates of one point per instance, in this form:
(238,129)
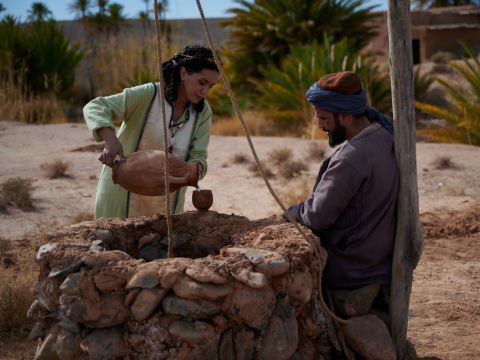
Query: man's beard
(337,135)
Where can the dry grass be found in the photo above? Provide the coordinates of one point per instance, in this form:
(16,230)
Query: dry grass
(280,155)
(257,124)
(56,169)
(16,104)
(290,169)
(295,191)
(116,59)
(454,190)
(81,217)
(17,283)
(316,150)
(240,158)
(4,247)
(443,162)
(267,170)
(17,192)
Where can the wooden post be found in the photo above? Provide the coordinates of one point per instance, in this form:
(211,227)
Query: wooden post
(408,240)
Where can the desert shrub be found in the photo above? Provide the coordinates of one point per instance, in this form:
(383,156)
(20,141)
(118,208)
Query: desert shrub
(280,155)
(316,150)
(257,123)
(443,162)
(81,217)
(240,158)
(56,169)
(17,290)
(266,169)
(463,112)
(441,69)
(443,57)
(295,191)
(4,246)
(17,192)
(290,169)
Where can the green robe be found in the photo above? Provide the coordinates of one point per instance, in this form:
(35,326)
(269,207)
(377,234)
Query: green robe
(131,107)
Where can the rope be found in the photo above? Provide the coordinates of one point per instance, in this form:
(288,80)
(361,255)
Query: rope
(233,99)
(165,130)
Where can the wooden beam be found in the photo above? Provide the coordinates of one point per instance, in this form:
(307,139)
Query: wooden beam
(408,239)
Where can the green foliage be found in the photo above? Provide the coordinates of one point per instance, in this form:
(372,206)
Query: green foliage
(13,47)
(376,82)
(284,87)
(40,50)
(421,83)
(443,57)
(140,76)
(463,115)
(80,8)
(263,30)
(39,12)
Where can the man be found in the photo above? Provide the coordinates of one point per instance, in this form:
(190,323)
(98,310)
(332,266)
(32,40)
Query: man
(352,207)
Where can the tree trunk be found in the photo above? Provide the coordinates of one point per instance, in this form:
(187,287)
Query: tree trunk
(408,240)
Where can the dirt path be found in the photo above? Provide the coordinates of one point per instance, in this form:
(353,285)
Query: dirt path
(445,310)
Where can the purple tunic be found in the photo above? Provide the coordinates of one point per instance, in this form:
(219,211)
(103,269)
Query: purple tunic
(353,210)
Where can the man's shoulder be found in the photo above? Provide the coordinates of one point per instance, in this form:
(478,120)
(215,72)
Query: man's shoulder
(362,150)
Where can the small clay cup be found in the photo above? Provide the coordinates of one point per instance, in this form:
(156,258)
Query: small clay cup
(202,199)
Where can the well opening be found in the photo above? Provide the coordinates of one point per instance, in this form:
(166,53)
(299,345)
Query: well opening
(236,289)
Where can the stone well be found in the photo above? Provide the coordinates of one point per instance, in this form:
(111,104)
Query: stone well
(236,289)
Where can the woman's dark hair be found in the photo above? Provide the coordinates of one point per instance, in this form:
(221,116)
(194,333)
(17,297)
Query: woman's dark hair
(194,59)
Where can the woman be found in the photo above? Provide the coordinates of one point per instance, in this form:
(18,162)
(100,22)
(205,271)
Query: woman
(188,76)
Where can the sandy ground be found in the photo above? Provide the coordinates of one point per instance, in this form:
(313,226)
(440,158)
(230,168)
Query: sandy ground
(445,311)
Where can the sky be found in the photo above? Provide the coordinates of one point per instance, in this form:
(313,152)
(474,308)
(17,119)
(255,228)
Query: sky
(178,9)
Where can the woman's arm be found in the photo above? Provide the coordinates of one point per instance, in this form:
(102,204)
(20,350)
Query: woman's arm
(198,148)
(99,112)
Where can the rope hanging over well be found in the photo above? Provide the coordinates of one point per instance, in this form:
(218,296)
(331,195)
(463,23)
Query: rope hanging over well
(233,99)
(165,130)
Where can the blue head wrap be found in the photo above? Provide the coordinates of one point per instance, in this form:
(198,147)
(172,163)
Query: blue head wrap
(354,104)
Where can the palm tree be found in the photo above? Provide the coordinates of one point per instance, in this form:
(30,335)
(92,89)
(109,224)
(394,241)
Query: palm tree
(147,8)
(463,114)
(116,16)
(102,6)
(263,30)
(38,12)
(2,8)
(427,4)
(283,88)
(80,8)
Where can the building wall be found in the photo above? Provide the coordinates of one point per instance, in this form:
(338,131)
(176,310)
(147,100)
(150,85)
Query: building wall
(437,30)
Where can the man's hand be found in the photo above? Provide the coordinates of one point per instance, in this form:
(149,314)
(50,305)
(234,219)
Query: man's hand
(112,147)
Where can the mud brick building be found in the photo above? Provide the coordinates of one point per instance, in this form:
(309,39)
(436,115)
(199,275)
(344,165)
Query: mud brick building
(433,30)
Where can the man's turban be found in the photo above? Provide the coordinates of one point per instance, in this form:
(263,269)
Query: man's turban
(342,93)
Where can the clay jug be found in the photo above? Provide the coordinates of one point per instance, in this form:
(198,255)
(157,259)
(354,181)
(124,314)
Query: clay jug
(143,173)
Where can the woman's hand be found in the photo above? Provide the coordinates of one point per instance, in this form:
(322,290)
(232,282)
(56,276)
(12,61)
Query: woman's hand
(112,147)
(192,173)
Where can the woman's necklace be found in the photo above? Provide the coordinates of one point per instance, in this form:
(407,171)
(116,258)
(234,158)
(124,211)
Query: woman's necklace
(175,127)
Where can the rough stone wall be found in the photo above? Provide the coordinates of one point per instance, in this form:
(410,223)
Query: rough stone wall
(236,289)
